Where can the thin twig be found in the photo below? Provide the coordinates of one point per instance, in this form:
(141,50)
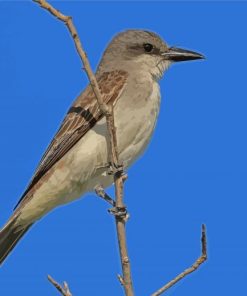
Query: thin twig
(189,270)
(113,151)
(121,213)
(63,290)
(121,217)
(67,20)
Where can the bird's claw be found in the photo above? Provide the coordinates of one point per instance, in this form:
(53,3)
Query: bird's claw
(120,212)
(116,169)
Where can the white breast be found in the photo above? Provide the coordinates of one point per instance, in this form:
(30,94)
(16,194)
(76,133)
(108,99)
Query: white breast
(138,132)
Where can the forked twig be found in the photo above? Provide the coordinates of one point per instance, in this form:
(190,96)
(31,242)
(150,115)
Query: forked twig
(63,290)
(189,270)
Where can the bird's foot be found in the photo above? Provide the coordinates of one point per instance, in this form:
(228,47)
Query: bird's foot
(119,212)
(116,169)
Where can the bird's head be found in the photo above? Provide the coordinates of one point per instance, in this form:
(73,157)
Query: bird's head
(139,49)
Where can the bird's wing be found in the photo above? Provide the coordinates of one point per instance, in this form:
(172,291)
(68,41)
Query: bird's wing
(81,117)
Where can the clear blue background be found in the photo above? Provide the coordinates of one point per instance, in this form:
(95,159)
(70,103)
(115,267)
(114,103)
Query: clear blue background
(193,172)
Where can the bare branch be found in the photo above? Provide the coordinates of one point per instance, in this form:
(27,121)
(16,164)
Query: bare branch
(189,270)
(63,290)
(121,217)
(67,20)
(119,177)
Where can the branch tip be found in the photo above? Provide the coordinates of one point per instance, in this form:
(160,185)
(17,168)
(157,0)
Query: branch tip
(204,241)
(191,269)
(63,290)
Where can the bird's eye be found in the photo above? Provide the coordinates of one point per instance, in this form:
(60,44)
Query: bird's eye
(148,47)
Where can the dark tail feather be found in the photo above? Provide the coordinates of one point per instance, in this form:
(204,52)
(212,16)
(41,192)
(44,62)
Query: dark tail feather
(9,237)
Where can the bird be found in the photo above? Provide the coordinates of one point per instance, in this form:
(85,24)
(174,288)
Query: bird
(76,161)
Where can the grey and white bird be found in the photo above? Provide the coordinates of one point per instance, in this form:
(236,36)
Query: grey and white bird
(76,160)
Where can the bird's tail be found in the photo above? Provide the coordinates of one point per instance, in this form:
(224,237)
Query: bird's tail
(9,237)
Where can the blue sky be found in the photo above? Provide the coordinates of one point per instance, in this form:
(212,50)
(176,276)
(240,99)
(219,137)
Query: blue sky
(193,172)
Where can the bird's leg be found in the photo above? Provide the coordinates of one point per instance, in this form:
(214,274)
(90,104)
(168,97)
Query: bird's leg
(120,210)
(99,190)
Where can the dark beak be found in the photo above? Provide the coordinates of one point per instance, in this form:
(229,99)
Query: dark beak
(178,55)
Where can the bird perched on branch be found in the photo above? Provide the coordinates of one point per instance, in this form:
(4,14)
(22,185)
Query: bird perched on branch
(77,158)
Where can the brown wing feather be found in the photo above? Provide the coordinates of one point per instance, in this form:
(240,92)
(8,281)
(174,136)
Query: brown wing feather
(81,117)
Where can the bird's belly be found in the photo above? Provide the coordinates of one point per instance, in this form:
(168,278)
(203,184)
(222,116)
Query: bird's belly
(70,177)
(85,165)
